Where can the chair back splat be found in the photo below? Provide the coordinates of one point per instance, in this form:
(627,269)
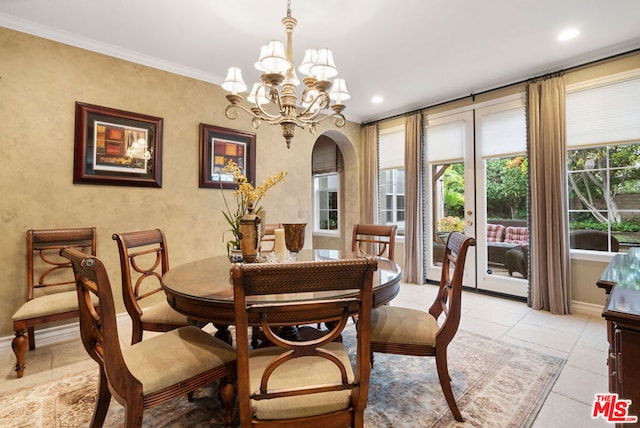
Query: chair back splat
(144,258)
(150,372)
(374,240)
(50,296)
(308,382)
(406,331)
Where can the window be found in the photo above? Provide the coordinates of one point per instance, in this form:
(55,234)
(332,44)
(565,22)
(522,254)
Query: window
(326,188)
(603,163)
(604,195)
(392,197)
(391,188)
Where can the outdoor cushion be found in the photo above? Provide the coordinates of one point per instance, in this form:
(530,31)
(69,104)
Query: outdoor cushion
(516,235)
(494,232)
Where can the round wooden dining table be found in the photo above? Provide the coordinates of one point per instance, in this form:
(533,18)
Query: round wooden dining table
(203,291)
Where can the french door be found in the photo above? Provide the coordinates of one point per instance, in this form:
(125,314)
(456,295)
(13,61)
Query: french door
(475,174)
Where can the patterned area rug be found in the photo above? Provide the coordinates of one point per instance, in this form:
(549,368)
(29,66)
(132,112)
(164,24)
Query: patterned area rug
(495,384)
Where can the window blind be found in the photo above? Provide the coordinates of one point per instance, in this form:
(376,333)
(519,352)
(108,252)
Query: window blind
(501,132)
(326,157)
(445,142)
(606,114)
(391,149)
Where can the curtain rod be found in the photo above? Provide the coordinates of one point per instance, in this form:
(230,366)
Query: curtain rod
(497,88)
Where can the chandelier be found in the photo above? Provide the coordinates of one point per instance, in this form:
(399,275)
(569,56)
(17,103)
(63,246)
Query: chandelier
(274,100)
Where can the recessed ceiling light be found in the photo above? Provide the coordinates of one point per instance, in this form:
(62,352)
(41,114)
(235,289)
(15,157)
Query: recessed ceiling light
(377,99)
(568,34)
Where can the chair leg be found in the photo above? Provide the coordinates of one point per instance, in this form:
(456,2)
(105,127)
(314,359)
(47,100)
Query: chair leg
(19,346)
(102,402)
(228,398)
(445,383)
(133,413)
(32,338)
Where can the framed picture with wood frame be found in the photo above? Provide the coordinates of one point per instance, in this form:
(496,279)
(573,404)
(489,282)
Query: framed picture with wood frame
(117,147)
(220,145)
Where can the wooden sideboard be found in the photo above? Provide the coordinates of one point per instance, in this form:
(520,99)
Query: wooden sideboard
(621,281)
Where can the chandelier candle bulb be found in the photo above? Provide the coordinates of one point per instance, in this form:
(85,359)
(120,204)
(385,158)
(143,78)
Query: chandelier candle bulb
(279,244)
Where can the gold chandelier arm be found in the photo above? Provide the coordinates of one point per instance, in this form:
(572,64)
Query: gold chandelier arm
(276,99)
(232,114)
(260,112)
(338,119)
(265,115)
(255,123)
(320,103)
(257,113)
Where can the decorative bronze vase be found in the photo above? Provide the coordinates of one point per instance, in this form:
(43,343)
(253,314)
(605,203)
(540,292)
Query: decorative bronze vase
(294,237)
(250,235)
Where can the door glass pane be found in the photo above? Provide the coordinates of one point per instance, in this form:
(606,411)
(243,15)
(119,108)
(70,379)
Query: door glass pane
(507,234)
(448,204)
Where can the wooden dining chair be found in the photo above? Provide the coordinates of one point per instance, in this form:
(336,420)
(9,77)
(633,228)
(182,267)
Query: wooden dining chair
(50,296)
(150,372)
(309,383)
(144,258)
(374,240)
(267,242)
(397,330)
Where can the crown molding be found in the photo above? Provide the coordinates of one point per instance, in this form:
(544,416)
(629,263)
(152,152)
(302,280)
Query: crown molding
(67,38)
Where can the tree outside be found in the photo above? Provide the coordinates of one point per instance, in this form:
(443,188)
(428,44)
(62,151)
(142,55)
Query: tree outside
(506,184)
(604,190)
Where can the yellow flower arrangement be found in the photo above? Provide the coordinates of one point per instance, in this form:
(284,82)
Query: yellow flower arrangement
(247,197)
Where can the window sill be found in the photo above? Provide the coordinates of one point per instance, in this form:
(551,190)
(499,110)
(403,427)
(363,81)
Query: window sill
(592,256)
(327,233)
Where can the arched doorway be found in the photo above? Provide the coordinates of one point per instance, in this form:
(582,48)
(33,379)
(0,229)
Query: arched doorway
(334,176)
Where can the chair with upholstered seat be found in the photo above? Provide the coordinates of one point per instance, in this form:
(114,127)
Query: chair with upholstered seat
(267,242)
(374,240)
(50,294)
(150,372)
(144,258)
(310,382)
(396,330)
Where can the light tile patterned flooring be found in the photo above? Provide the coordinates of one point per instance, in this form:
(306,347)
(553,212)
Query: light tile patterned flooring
(580,339)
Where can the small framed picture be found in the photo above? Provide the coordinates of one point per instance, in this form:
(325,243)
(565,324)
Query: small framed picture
(116,147)
(220,145)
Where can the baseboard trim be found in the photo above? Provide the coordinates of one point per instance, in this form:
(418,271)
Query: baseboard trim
(584,308)
(49,335)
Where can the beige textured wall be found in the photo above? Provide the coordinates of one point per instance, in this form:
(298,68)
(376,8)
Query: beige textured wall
(41,80)
(584,275)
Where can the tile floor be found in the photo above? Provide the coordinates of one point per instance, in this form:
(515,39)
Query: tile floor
(580,339)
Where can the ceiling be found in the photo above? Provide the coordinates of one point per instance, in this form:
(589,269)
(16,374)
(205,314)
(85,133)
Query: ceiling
(414,53)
